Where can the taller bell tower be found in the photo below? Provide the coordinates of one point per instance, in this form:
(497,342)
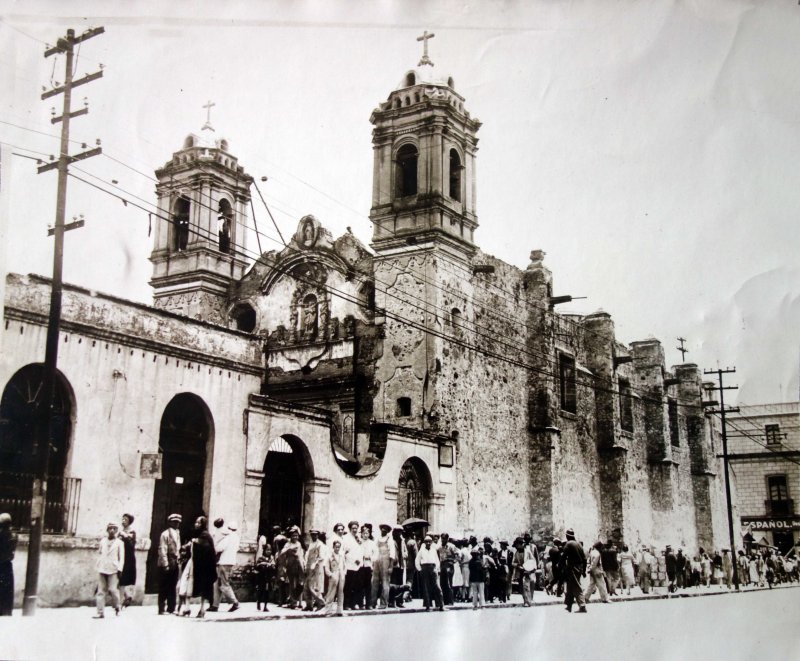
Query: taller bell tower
(423,212)
(199,248)
(424,145)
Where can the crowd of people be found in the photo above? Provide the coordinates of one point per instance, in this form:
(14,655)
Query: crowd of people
(358,568)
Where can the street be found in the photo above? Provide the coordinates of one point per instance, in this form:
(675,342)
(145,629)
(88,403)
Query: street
(759,624)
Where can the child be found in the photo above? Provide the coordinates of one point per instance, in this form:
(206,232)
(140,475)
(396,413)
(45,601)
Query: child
(477,578)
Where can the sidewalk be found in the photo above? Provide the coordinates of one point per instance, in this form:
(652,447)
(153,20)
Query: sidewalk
(247,611)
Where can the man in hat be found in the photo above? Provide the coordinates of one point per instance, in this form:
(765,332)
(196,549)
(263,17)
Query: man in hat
(109,563)
(384,561)
(315,573)
(351,548)
(428,567)
(574,569)
(226,550)
(671,565)
(447,559)
(169,545)
(645,564)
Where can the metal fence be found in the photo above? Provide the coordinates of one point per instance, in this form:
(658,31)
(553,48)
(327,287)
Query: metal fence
(61,506)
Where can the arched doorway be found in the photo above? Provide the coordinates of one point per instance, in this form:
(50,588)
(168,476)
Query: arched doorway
(19,409)
(414,490)
(287,467)
(186,443)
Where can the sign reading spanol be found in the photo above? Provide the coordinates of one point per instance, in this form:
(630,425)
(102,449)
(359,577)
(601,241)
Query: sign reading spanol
(771,524)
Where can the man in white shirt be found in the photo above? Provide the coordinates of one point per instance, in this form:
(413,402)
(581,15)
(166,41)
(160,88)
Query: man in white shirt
(109,564)
(217,533)
(226,552)
(352,562)
(428,566)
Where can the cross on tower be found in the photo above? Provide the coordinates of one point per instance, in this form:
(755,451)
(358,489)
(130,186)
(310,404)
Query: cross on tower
(682,349)
(208,108)
(424,39)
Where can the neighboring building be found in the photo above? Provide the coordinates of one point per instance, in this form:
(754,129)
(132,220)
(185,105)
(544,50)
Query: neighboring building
(328,381)
(764,450)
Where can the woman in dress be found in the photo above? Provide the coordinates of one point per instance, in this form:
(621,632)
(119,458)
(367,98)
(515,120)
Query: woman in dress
(204,564)
(705,565)
(626,568)
(754,569)
(127,579)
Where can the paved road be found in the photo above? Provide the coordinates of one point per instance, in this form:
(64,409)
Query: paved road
(752,625)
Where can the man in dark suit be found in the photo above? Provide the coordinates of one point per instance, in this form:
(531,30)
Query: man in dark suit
(169,545)
(574,569)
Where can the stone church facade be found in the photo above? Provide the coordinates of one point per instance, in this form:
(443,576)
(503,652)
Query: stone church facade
(419,377)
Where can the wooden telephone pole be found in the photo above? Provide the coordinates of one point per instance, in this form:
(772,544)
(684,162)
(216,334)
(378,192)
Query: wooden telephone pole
(65,45)
(722,411)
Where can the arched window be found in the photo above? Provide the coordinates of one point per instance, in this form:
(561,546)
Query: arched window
(411,79)
(455,318)
(180,224)
(413,490)
(406,177)
(455,175)
(450,83)
(224,225)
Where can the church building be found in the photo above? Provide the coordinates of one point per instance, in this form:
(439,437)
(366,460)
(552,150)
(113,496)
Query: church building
(413,376)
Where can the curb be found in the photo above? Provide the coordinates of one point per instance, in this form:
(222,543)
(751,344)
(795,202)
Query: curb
(406,610)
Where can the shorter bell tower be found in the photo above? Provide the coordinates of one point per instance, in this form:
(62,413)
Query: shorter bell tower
(199,248)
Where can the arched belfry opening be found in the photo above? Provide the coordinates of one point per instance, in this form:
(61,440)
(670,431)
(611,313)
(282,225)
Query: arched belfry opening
(406,181)
(224,226)
(19,413)
(455,175)
(186,443)
(414,490)
(287,469)
(180,224)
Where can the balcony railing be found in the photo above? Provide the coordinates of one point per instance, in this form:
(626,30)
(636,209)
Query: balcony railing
(779,507)
(61,506)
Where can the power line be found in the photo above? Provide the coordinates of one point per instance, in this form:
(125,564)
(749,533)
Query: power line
(238,249)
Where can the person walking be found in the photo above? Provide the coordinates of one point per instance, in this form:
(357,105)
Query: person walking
(218,533)
(169,544)
(110,561)
(680,569)
(204,565)
(226,553)
(428,567)
(626,569)
(671,566)
(574,569)
(610,561)
(127,579)
(8,546)
(646,560)
(597,579)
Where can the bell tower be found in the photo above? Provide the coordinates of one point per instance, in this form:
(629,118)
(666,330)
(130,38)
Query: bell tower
(423,213)
(199,247)
(424,143)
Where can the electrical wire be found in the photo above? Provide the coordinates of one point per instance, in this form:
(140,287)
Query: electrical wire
(399,318)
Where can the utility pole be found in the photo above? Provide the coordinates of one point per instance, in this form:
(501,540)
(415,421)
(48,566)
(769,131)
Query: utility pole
(66,46)
(722,411)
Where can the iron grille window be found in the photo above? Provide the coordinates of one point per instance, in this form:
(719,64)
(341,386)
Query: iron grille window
(773,433)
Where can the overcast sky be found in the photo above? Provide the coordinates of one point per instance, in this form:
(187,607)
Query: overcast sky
(650,148)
